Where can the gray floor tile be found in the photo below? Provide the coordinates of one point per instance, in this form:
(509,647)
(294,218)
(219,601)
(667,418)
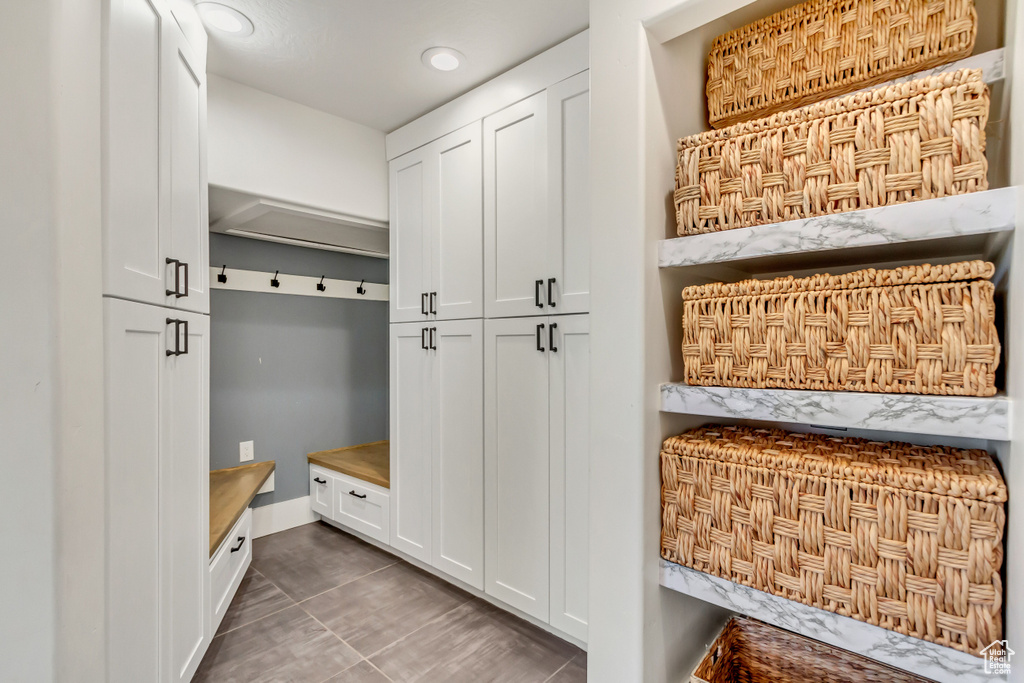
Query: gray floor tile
(573,672)
(287,646)
(376,610)
(475,643)
(360,673)
(256,598)
(314,558)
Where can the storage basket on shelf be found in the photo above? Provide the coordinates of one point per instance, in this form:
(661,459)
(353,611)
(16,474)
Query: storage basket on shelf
(894,144)
(748,651)
(916,329)
(825,48)
(904,537)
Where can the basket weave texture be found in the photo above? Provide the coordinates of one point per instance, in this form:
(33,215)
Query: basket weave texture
(908,538)
(894,144)
(916,329)
(824,48)
(748,651)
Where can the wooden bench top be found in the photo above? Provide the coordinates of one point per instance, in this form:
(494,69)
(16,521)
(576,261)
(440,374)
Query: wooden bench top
(370,462)
(231,491)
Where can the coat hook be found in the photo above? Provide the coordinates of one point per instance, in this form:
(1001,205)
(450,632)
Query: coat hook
(360,289)
(320,287)
(222,277)
(274,282)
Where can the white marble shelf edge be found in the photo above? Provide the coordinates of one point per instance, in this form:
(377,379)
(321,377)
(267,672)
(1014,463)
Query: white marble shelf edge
(957,216)
(964,416)
(942,664)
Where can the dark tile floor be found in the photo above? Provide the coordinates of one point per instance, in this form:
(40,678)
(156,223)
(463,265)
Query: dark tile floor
(320,605)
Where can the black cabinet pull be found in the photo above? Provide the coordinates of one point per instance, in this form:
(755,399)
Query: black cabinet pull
(433,346)
(184,293)
(241,542)
(433,300)
(185,352)
(357,495)
(177,277)
(177,337)
(551,337)
(423,339)
(551,298)
(319,480)
(423,303)
(537,286)
(540,344)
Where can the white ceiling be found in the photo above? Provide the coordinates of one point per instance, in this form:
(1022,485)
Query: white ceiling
(360,59)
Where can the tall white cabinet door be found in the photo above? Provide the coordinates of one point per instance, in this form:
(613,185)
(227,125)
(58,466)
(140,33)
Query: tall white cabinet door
(516,463)
(410,497)
(184,497)
(136,231)
(569,194)
(412,177)
(458,229)
(515,210)
(136,341)
(458,450)
(570,473)
(185,87)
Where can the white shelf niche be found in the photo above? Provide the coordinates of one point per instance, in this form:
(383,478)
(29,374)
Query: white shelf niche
(960,416)
(917,656)
(876,230)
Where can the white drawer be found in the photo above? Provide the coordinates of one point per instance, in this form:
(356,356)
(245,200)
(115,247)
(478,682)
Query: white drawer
(321,491)
(227,568)
(362,506)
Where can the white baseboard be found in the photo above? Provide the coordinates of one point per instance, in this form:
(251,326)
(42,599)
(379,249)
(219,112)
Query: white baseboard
(287,514)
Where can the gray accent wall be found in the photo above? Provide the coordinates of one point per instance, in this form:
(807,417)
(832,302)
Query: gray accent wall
(295,374)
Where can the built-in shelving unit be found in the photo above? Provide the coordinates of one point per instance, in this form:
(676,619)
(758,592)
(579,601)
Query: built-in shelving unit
(960,416)
(930,660)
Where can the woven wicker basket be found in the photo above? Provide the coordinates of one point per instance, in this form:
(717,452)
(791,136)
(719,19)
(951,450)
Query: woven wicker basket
(898,143)
(748,651)
(917,329)
(824,48)
(905,537)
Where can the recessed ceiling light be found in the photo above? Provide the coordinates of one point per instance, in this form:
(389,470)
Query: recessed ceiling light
(443,58)
(225,19)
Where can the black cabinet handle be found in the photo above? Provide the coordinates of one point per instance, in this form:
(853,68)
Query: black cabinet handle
(537,286)
(177,337)
(423,303)
(184,293)
(551,337)
(433,300)
(423,339)
(241,542)
(319,480)
(357,495)
(540,344)
(551,298)
(433,346)
(185,352)
(177,277)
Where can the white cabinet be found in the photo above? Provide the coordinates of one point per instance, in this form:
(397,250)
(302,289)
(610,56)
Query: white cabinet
(362,506)
(157,412)
(321,492)
(436,230)
(228,567)
(437,445)
(155,226)
(536,203)
(536,463)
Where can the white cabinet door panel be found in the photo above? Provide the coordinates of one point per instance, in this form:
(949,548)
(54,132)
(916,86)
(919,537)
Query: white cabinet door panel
(569,200)
(516,463)
(136,232)
(515,209)
(457,242)
(570,473)
(184,498)
(321,492)
(412,202)
(410,440)
(458,450)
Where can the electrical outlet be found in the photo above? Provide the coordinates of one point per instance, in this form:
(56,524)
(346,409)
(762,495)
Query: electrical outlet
(246,451)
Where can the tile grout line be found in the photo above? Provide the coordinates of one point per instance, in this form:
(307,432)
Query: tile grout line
(559,669)
(299,602)
(342,640)
(235,628)
(437,618)
(378,670)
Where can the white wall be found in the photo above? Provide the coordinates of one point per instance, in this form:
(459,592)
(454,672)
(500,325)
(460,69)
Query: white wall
(265,145)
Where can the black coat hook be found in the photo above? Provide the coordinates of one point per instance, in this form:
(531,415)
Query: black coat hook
(222,277)
(274,282)
(320,287)
(360,289)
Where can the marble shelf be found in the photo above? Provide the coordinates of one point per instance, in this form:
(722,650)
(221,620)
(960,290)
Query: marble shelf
(876,230)
(963,416)
(936,662)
